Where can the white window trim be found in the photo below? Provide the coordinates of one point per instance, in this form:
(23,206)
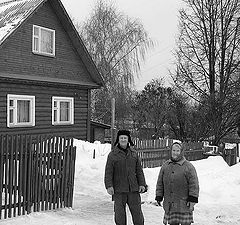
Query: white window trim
(65,99)
(39,42)
(32,110)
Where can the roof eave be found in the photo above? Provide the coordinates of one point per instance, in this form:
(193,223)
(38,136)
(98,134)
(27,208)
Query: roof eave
(38,80)
(29,14)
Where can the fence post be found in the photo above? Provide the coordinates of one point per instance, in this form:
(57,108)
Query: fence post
(29,185)
(1,170)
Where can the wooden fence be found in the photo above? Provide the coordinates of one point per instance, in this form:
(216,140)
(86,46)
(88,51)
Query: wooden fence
(154,153)
(194,151)
(152,144)
(36,173)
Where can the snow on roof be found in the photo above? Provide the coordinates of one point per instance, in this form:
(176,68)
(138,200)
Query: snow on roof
(13,13)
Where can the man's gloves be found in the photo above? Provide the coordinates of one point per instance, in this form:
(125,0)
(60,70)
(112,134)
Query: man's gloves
(110,191)
(141,189)
(191,205)
(159,199)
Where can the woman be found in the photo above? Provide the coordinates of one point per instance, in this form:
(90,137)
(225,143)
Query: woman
(178,187)
(124,179)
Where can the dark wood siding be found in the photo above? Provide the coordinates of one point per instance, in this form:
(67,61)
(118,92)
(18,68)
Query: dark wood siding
(43,109)
(16,55)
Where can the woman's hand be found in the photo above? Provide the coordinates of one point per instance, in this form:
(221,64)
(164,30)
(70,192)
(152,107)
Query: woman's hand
(191,205)
(159,200)
(159,203)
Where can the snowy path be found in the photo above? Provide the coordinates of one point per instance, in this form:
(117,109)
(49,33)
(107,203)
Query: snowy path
(219,202)
(226,214)
(91,211)
(87,211)
(100,211)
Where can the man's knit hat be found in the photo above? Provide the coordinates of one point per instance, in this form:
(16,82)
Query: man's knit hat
(123,132)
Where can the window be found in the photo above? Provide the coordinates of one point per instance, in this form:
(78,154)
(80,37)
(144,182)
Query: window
(43,41)
(62,110)
(20,110)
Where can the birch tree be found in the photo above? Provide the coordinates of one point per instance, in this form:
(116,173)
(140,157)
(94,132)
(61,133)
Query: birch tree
(118,45)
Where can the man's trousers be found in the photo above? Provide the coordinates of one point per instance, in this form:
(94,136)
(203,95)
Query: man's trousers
(133,200)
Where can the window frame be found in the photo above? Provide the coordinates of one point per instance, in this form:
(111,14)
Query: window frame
(15,98)
(71,113)
(39,52)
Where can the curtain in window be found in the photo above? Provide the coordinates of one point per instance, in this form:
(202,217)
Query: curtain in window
(11,108)
(46,41)
(64,111)
(23,111)
(36,44)
(11,116)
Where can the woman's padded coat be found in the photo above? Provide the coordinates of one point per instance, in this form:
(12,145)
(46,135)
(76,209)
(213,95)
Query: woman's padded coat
(123,171)
(178,184)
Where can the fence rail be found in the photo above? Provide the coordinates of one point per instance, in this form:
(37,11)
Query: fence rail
(152,144)
(36,173)
(154,153)
(153,157)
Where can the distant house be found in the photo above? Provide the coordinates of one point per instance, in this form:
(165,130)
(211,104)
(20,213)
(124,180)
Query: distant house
(46,72)
(98,132)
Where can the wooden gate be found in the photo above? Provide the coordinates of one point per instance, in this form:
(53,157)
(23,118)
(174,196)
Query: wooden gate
(36,173)
(230,156)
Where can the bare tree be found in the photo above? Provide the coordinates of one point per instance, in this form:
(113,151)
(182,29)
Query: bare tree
(178,116)
(150,108)
(208,60)
(117,45)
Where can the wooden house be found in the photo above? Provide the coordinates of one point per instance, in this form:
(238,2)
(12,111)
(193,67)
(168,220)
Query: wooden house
(98,132)
(46,72)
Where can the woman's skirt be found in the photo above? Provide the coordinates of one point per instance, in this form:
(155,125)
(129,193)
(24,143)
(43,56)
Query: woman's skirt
(177,217)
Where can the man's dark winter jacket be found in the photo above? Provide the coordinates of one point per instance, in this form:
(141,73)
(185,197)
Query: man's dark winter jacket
(123,171)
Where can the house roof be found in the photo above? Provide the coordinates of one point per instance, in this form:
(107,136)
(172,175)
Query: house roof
(98,124)
(13,13)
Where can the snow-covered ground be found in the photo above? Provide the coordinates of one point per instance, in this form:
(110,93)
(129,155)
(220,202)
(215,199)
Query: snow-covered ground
(219,201)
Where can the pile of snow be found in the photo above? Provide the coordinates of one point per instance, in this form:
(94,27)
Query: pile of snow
(219,201)
(89,170)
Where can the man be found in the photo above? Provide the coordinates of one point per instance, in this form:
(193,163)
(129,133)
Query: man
(124,179)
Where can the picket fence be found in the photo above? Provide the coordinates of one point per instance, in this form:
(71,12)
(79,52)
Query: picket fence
(36,173)
(154,153)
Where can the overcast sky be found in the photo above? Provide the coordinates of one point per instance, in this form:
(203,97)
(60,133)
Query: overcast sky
(160,20)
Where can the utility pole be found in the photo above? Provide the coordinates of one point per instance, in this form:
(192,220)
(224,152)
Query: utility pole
(112,121)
